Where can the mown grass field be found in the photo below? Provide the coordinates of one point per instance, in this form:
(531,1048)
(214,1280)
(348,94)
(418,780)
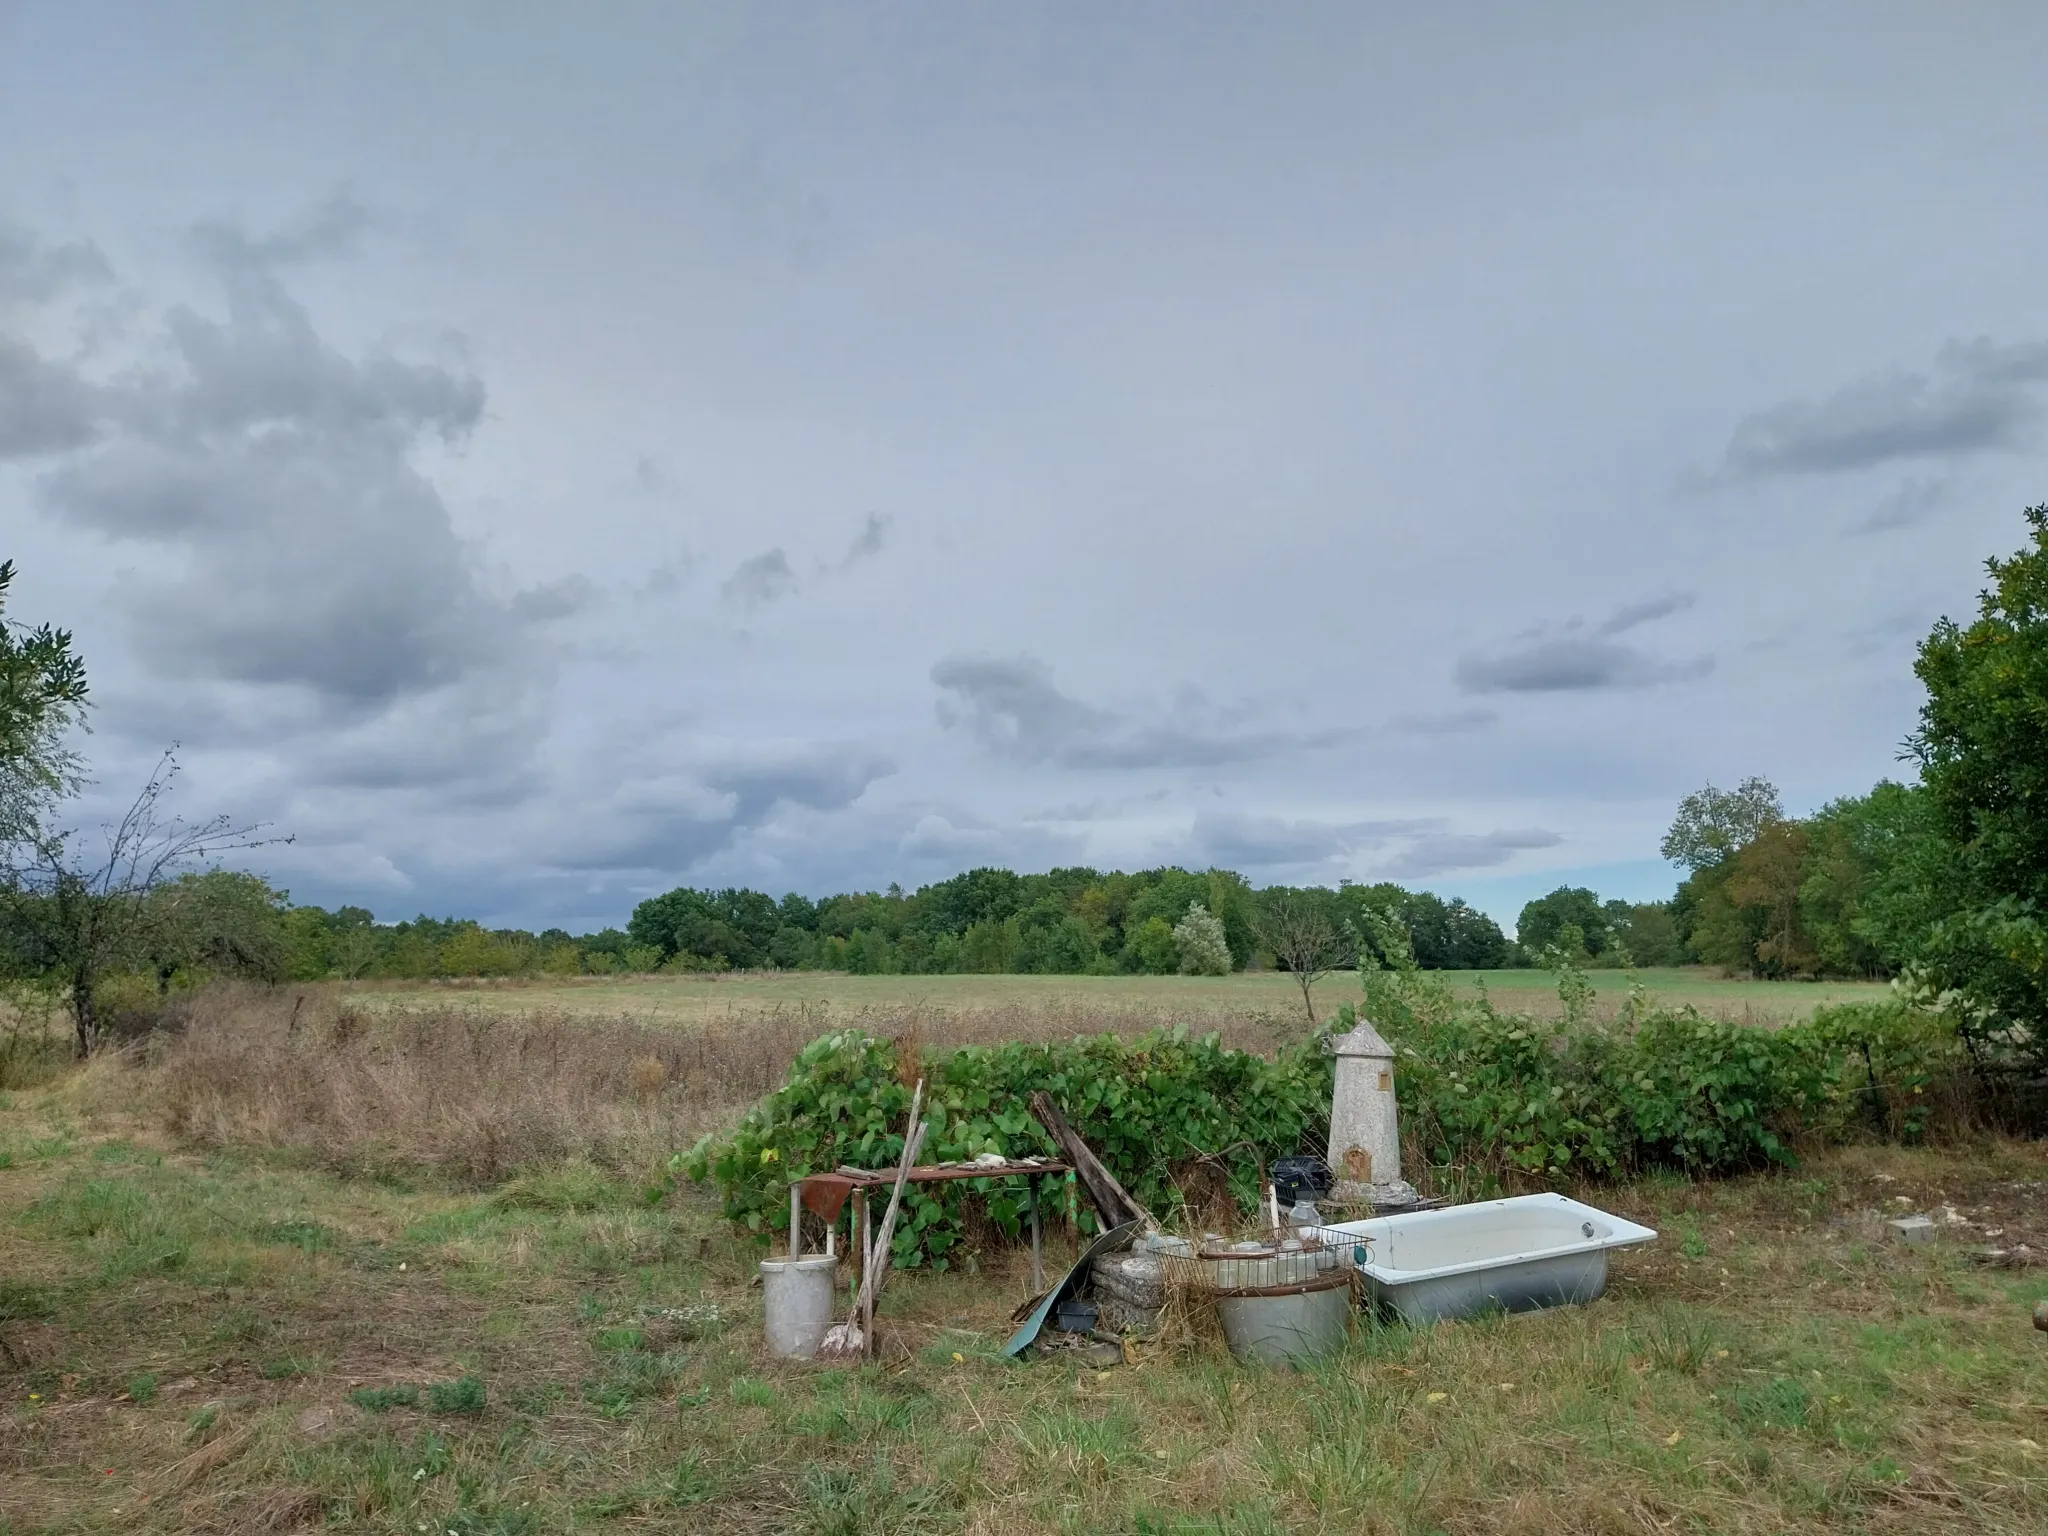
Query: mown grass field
(1217,1000)
(242,1303)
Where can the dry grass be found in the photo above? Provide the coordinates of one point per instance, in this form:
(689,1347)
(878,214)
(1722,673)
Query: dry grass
(475,1093)
(468,1094)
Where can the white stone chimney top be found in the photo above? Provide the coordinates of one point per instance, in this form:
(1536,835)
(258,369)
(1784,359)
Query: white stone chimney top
(1362,1040)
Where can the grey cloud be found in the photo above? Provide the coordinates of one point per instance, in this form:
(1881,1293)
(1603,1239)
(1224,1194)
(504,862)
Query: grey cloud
(1012,707)
(867,543)
(267,367)
(759,581)
(672,823)
(1574,663)
(1978,396)
(332,228)
(45,407)
(666,579)
(1267,842)
(1912,503)
(821,778)
(1438,853)
(1097,809)
(1450,723)
(650,478)
(552,600)
(1633,614)
(33,272)
(305,555)
(1573,658)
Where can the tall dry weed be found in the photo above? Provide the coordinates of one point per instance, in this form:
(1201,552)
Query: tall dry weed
(464,1093)
(476,1093)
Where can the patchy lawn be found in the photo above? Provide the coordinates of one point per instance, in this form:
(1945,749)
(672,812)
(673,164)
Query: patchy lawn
(235,1343)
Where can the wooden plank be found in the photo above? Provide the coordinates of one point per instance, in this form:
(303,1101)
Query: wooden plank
(1111,1199)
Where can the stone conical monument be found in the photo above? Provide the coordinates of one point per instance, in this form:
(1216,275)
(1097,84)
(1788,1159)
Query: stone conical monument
(1365,1126)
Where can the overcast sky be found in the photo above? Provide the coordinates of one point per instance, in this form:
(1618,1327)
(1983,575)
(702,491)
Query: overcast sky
(538,455)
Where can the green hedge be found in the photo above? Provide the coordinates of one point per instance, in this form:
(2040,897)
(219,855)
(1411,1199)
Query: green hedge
(1146,1106)
(1514,1098)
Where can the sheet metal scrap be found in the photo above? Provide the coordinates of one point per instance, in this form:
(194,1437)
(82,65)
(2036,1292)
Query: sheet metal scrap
(1109,1242)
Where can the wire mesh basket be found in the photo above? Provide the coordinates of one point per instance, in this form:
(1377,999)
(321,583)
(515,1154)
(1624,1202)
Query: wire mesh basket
(1269,1262)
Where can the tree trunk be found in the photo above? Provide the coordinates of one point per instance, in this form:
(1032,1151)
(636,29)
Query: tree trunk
(1306,981)
(83,1011)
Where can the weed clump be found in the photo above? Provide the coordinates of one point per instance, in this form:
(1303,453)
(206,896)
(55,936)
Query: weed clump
(384,1399)
(464,1395)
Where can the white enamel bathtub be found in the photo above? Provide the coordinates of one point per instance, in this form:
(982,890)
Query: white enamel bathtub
(1513,1255)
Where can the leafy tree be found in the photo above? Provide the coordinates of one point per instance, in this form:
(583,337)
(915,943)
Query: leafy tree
(219,923)
(1544,919)
(1149,949)
(1649,934)
(1982,746)
(1713,823)
(991,945)
(790,947)
(1764,881)
(42,693)
(1199,946)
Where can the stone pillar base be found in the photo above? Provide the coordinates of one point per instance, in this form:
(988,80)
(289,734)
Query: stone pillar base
(1399,1195)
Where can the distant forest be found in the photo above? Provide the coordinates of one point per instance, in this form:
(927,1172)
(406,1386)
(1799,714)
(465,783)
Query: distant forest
(1838,893)
(1066,921)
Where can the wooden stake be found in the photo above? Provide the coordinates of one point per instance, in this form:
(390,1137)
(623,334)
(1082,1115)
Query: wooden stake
(856,1336)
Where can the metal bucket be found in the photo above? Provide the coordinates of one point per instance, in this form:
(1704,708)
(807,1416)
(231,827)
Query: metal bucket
(796,1304)
(1282,1324)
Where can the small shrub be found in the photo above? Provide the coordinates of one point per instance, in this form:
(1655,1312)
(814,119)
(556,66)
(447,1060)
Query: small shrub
(384,1399)
(465,1395)
(142,1389)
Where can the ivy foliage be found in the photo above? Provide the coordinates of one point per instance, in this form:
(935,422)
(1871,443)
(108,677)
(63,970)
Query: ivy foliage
(1148,1107)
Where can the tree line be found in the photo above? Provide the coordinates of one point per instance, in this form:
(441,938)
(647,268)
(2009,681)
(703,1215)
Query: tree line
(1074,921)
(1942,881)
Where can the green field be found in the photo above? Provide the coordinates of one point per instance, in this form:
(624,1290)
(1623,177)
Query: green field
(1115,1000)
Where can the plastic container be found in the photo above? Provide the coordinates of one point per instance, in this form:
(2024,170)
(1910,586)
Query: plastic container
(1300,1323)
(1076,1316)
(1299,1178)
(796,1304)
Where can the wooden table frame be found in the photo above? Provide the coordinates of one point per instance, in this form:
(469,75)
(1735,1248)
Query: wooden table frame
(865,1179)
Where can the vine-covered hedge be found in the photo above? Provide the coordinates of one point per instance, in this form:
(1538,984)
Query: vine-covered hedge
(1147,1106)
(1509,1097)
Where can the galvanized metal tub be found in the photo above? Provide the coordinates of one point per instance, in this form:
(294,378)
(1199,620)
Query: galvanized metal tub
(1510,1255)
(1280,1324)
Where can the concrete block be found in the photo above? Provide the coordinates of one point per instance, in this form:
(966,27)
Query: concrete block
(1917,1230)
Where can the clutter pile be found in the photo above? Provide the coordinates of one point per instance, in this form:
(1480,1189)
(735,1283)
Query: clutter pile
(1282,1293)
